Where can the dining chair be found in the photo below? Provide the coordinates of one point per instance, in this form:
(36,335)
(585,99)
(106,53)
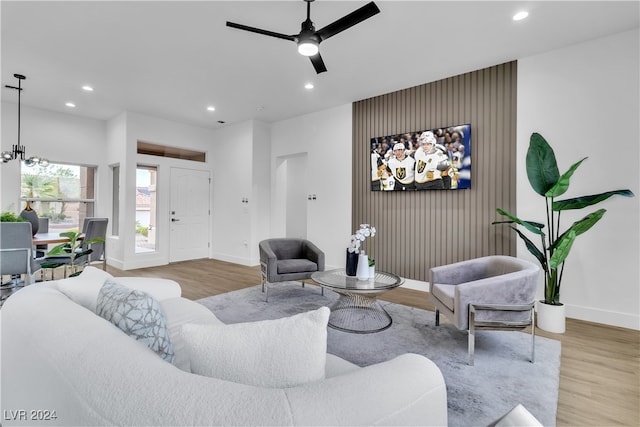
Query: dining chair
(43,227)
(16,243)
(93,228)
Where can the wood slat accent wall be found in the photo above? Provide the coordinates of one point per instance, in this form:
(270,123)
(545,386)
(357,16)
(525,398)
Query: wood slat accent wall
(420,230)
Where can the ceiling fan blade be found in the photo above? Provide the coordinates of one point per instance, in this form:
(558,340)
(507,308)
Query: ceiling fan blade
(348,21)
(318,63)
(260,31)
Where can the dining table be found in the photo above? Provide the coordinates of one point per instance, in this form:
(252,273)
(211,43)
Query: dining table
(49,238)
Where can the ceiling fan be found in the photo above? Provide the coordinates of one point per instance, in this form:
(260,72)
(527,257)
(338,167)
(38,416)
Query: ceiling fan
(309,39)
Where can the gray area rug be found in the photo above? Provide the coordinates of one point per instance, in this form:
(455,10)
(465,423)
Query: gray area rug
(477,395)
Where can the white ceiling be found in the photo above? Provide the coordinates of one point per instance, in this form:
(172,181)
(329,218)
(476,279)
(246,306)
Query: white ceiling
(171,59)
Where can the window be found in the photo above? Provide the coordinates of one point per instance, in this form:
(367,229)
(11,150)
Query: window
(146,223)
(115,202)
(63,193)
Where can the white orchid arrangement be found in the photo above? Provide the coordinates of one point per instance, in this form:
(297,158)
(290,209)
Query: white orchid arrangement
(358,238)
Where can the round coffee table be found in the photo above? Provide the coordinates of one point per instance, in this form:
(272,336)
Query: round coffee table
(357,309)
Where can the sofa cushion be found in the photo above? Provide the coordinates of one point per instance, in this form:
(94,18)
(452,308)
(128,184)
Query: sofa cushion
(137,314)
(445,293)
(84,289)
(181,311)
(160,289)
(296,266)
(271,353)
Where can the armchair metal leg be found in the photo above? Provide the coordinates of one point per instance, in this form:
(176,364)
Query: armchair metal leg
(263,275)
(501,324)
(437,317)
(533,335)
(472,335)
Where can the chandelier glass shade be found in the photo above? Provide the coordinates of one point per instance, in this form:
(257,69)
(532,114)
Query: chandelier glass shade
(18,152)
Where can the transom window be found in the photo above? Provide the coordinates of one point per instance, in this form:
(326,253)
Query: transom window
(63,193)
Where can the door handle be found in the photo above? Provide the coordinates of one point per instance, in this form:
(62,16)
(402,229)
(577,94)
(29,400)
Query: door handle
(174,220)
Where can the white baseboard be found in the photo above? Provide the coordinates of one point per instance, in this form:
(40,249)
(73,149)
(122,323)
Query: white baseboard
(236,260)
(588,314)
(417,285)
(606,317)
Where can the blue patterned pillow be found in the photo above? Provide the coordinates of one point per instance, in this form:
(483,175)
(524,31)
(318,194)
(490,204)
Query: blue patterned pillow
(138,314)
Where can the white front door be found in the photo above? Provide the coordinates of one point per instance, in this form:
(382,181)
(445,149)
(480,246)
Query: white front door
(190,198)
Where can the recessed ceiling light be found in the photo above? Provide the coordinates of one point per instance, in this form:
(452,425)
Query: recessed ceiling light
(520,16)
(211,108)
(87,88)
(308,86)
(70,105)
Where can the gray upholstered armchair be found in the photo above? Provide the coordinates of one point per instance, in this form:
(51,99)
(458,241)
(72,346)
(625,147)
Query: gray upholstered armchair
(494,292)
(287,259)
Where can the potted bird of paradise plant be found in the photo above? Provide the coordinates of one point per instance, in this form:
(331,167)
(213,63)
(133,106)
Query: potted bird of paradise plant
(555,245)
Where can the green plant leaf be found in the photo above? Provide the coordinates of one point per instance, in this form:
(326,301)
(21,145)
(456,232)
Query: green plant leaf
(59,250)
(562,249)
(94,240)
(534,227)
(562,185)
(584,201)
(69,234)
(82,253)
(542,168)
(51,264)
(533,249)
(11,217)
(581,225)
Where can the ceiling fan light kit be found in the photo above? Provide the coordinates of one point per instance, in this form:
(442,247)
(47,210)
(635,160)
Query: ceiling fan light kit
(308,40)
(308,47)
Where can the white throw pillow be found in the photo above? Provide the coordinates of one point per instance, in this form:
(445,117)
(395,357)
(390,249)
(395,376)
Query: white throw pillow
(179,312)
(84,289)
(271,353)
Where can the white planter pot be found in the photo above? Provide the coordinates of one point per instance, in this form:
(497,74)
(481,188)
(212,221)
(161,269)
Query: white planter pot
(551,318)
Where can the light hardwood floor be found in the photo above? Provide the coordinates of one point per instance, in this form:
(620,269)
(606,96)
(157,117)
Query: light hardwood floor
(600,365)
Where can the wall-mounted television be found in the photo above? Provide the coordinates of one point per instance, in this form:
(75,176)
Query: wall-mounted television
(430,159)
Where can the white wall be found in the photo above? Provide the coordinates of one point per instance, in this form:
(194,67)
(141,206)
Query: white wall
(60,138)
(164,132)
(232,182)
(584,100)
(116,136)
(325,137)
(260,199)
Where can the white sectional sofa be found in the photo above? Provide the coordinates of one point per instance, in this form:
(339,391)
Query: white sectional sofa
(64,365)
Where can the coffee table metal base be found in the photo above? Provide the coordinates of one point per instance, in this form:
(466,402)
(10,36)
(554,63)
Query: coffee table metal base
(357,313)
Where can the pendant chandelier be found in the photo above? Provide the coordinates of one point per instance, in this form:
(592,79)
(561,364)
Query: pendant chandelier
(18,151)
